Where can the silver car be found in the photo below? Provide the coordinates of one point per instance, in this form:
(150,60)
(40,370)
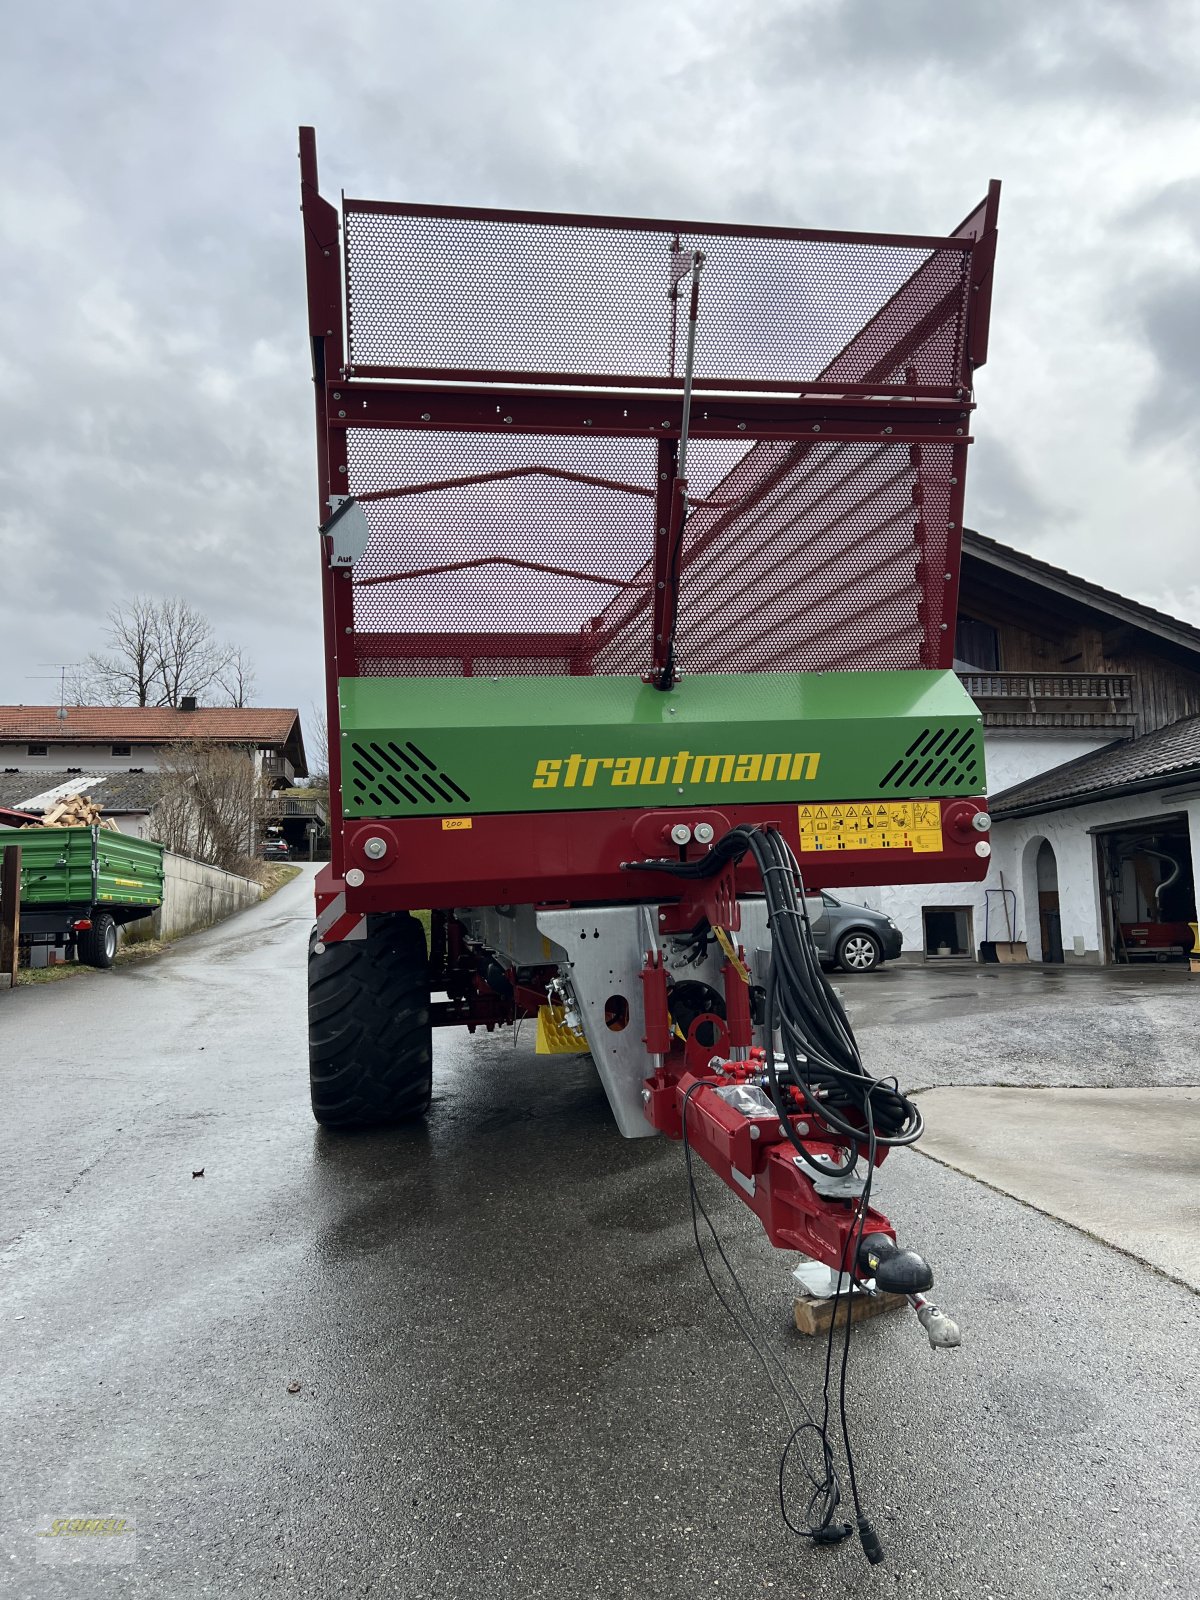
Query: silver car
(852,937)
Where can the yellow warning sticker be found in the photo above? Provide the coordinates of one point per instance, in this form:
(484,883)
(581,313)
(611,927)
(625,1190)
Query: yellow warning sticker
(914,825)
(456,824)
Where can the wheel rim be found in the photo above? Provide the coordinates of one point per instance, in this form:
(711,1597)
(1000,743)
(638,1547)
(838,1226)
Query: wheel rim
(859,952)
(110,941)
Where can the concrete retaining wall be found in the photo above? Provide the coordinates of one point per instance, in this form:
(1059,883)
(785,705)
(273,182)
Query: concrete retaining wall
(195,895)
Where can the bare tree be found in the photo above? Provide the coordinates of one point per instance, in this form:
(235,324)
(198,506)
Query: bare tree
(160,651)
(187,658)
(237,676)
(209,804)
(127,674)
(317,747)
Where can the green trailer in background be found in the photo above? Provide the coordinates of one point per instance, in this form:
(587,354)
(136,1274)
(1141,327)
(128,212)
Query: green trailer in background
(80,885)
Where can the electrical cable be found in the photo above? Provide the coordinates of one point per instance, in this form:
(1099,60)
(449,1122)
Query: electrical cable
(826,1489)
(823,1070)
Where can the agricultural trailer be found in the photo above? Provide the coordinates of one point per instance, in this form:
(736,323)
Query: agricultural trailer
(79,886)
(640,554)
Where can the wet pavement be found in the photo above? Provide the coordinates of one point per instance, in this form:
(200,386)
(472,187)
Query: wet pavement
(513,1379)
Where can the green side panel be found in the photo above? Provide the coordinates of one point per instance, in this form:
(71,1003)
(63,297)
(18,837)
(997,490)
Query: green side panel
(469,746)
(56,867)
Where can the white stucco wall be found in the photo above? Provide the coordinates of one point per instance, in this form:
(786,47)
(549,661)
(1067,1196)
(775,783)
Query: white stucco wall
(1015,847)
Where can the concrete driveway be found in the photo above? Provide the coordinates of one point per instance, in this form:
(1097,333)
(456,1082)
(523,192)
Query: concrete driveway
(513,1379)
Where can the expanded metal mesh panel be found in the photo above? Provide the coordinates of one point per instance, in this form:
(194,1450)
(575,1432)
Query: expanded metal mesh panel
(492,611)
(492,295)
(831,556)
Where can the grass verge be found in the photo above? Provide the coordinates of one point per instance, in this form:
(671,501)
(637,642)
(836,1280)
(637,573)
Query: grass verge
(276,875)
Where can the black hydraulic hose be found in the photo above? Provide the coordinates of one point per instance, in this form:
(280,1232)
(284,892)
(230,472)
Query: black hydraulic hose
(820,1055)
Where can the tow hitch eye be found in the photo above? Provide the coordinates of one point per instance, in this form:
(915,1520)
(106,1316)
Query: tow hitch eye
(898,1271)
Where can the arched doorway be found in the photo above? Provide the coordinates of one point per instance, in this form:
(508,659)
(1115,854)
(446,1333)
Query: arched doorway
(1049,917)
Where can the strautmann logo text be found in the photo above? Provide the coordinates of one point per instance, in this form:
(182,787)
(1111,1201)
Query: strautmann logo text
(640,772)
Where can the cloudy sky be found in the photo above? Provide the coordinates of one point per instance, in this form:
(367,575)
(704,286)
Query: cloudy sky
(157,424)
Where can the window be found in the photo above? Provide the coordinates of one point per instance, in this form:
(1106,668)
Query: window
(120,749)
(976,645)
(37,750)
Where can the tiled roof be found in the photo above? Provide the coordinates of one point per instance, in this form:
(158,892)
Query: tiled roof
(1169,755)
(120,793)
(257,725)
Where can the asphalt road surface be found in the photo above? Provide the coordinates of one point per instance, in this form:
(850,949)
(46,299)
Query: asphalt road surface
(513,1378)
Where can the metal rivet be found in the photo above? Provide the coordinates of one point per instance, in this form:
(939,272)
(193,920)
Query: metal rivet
(948,576)
(944,626)
(587,422)
(661,584)
(666,424)
(349,630)
(741,427)
(816,427)
(341,413)
(424,416)
(958,430)
(670,711)
(755,1131)
(337,394)
(887,430)
(508,419)
(341,469)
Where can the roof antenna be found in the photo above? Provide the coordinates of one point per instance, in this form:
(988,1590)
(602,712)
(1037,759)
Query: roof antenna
(61,668)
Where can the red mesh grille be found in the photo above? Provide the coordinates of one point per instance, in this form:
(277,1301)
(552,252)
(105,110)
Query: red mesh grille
(833,555)
(490,295)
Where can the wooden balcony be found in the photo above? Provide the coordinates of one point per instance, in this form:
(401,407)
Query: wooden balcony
(1100,700)
(301,803)
(277,767)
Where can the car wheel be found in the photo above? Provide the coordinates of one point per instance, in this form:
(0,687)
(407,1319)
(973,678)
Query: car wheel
(859,951)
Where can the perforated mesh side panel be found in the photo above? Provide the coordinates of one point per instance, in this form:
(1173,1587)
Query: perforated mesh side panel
(833,557)
(495,618)
(486,295)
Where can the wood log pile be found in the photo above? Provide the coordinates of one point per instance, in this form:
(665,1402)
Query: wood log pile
(77,811)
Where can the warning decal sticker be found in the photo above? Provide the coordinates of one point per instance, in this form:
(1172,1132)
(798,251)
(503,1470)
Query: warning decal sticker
(873,825)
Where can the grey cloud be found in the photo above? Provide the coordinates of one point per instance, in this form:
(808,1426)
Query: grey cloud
(1072,51)
(1002,499)
(1169,316)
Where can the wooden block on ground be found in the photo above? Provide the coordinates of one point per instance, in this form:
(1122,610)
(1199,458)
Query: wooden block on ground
(814,1316)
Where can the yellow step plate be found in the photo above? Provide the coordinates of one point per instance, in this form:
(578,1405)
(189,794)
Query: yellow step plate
(554,1037)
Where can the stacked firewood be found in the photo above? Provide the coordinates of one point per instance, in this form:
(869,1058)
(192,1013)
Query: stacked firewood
(76,811)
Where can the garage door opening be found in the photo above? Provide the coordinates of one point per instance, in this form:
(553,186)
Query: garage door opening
(1149,890)
(947,932)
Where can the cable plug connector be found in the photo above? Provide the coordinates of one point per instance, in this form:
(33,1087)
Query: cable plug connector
(872,1548)
(832,1533)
